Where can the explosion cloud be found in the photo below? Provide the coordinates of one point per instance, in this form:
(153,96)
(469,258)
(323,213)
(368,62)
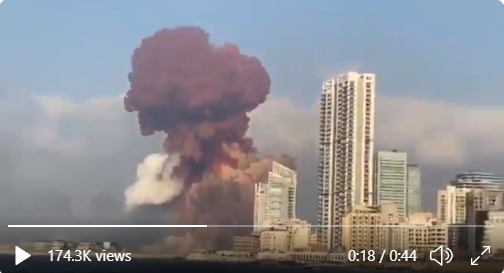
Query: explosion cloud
(154,186)
(199,94)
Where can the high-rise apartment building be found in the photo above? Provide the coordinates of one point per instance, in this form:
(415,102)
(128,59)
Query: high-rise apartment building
(391,179)
(275,199)
(414,180)
(346,136)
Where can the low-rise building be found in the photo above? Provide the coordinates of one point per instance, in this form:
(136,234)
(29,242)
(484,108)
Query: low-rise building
(305,256)
(240,256)
(319,256)
(274,240)
(235,256)
(369,227)
(107,246)
(300,235)
(313,237)
(84,246)
(247,243)
(285,236)
(47,245)
(42,245)
(424,233)
(380,228)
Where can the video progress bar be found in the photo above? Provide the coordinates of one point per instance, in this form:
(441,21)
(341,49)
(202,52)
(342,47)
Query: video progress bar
(236,226)
(103,226)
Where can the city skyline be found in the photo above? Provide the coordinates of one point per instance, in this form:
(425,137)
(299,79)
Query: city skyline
(63,94)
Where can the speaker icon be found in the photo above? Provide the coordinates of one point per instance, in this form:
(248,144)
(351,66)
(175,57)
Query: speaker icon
(443,252)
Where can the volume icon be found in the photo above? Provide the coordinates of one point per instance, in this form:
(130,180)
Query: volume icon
(441,255)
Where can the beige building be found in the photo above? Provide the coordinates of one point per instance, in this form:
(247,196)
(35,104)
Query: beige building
(459,205)
(493,233)
(313,238)
(465,209)
(425,233)
(379,228)
(247,243)
(293,235)
(442,203)
(369,227)
(454,205)
(274,240)
(357,234)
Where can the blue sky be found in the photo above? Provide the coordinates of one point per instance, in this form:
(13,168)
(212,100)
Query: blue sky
(448,50)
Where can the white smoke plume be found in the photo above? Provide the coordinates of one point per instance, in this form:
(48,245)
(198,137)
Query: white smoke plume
(154,186)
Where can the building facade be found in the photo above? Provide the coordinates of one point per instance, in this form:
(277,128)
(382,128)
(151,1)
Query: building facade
(362,228)
(478,180)
(454,205)
(346,136)
(381,228)
(494,230)
(247,243)
(275,199)
(391,179)
(424,233)
(414,180)
(458,205)
(469,207)
(285,236)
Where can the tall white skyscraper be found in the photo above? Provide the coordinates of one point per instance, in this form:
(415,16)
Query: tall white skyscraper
(391,181)
(346,136)
(275,199)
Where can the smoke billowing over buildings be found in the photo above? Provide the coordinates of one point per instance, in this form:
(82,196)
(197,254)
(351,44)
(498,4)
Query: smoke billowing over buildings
(198,94)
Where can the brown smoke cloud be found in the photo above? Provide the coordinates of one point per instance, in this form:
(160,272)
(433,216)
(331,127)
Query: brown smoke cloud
(200,95)
(197,93)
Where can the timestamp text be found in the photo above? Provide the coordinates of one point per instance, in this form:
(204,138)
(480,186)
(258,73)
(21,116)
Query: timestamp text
(386,255)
